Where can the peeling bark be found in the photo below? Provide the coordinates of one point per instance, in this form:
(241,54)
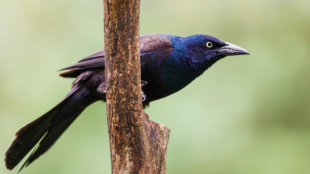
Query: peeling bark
(137,144)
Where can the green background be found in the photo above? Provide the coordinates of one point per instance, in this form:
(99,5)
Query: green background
(245,115)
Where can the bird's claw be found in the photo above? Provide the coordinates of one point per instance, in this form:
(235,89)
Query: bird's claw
(143,83)
(143,96)
(102,89)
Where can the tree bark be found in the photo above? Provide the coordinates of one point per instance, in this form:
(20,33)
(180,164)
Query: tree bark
(137,144)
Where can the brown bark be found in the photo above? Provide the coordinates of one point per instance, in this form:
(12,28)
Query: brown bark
(137,144)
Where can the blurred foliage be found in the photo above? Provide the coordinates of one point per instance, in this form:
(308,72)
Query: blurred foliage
(246,114)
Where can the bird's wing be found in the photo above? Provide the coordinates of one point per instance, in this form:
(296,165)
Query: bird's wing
(155,42)
(148,45)
(94,61)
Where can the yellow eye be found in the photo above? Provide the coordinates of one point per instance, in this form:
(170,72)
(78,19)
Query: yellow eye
(209,44)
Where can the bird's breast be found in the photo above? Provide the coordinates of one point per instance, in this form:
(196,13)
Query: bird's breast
(166,77)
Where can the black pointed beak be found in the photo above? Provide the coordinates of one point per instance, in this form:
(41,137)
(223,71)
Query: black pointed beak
(231,50)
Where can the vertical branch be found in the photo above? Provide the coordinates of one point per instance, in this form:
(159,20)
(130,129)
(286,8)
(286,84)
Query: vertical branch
(137,145)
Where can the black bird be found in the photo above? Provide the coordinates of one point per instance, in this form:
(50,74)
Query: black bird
(168,64)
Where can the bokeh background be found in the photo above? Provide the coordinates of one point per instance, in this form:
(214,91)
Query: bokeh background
(245,115)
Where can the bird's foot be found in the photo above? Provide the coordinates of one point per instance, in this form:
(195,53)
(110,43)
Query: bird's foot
(143,83)
(102,89)
(143,96)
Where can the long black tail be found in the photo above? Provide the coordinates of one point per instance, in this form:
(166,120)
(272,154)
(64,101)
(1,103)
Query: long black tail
(48,127)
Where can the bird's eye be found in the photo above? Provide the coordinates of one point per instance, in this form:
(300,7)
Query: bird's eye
(209,44)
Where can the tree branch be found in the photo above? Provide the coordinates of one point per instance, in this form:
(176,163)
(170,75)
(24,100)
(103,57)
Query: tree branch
(137,144)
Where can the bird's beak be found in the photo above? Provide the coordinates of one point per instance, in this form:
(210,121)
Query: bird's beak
(231,50)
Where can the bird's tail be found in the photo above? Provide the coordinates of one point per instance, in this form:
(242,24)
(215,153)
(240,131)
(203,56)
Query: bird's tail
(47,128)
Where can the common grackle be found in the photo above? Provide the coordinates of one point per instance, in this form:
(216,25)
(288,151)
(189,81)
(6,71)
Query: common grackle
(168,64)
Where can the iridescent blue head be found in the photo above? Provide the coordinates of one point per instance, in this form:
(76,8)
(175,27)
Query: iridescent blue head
(204,50)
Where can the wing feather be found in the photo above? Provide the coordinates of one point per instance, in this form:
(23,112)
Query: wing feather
(148,44)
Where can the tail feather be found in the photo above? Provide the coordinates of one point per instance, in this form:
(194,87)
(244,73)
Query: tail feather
(48,127)
(49,139)
(27,138)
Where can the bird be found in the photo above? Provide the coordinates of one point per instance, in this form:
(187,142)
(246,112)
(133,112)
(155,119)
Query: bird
(168,64)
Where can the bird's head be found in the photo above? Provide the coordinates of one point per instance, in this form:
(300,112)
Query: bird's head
(204,50)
